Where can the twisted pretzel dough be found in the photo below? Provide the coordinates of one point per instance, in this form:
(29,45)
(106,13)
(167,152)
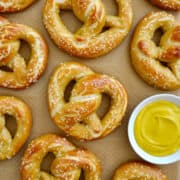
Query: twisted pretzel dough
(78,117)
(167,4)
(18,109)
(159,65)
(67,164)
(89,41)
(14,5)
(137,170)
(22,75)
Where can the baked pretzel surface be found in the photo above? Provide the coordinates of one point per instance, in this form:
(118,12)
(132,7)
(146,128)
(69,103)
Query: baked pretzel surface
(20,74)
(78,117)
(7,6)
(137,170)
(89,41)
(158,65)
(68,163)
(12,106)
(167,4)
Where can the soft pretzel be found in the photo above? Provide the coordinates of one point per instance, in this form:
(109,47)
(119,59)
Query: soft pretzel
(14,5)
(78,117)
(67,164)
(21,112)
(22,74)
(89,41)
(158,65)
(137,170)
(167,4)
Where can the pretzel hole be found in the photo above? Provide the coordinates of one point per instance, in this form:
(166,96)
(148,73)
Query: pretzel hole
(83,123)
(105,28)
(25,50)
(11,124)
(82,176)
(157,36)
(111,7)
(164,64)
(47,161)
(70,21)
(68,90)
(6,69)
(104,106)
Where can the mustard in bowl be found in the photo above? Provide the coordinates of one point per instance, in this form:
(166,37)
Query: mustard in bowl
(154,129)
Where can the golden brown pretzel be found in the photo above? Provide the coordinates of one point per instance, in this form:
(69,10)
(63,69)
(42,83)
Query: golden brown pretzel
(78,117)
(167,4)
(137,170)
(89,41)
(22,74)
(18,109)
(14,5)
(158,65)
(67,164)
(7,51)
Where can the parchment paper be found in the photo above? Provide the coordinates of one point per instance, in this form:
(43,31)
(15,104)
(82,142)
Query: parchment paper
(114,149)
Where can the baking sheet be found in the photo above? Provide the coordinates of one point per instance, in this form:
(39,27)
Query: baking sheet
(114,149)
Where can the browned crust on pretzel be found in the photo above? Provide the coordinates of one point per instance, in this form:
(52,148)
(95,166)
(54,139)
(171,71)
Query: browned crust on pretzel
(144,63)
(90,85)
(144,47)
(67,158)
(132,170)
(91,47)
(24,124)
(44,141)
(171,53)
(15,6)
(176,34)
(167,4)
(12,32)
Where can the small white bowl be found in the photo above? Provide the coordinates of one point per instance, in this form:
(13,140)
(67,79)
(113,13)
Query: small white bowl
(148,157)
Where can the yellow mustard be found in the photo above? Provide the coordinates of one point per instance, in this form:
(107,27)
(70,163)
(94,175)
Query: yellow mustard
(157,128)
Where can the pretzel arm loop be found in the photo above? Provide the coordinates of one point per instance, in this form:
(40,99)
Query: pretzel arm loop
(138,170)
(18,109)
(67,163)
(167,4)
(14,5)
(89,41)
(81,159)
(77,116)
(157,64)
(21,74)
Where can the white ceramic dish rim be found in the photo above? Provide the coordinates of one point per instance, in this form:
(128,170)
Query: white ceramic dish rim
(152,159)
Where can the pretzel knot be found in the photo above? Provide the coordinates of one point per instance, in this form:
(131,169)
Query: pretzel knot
(137,170)
(20,74)
(67,164)
(9,145)
(14,5)
(158,65)
(78,117)
(167,4)
(89,41)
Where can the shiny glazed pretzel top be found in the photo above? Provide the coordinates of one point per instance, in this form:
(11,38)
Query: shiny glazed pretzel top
(14,5)
(137,170)
(23,74)
(78,117)
(158,65)
(167,4)
(9,145)
(67,164)
(89,41)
